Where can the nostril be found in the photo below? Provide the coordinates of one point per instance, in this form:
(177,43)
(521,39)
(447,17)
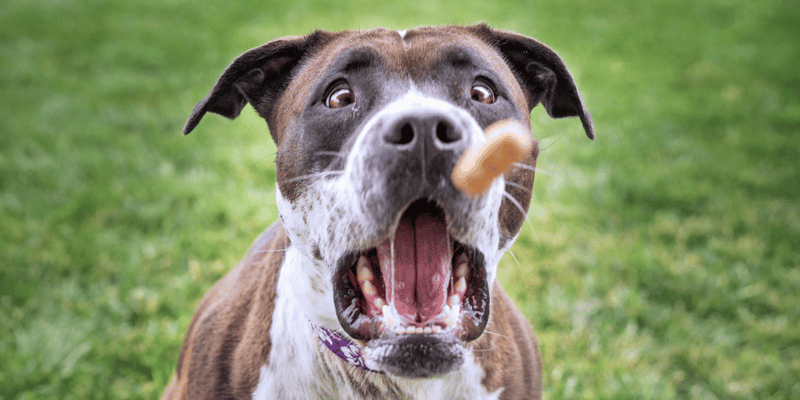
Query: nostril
(404,135)
(446,133)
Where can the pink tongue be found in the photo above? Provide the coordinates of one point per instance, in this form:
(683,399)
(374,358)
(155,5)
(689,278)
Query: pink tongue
(421,267)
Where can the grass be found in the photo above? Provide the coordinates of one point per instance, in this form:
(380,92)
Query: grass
(660,261)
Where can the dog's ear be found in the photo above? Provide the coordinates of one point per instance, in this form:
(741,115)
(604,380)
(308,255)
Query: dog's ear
(541,73)
(259,77)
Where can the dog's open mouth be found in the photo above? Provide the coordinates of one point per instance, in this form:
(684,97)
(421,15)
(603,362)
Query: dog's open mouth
(420,285)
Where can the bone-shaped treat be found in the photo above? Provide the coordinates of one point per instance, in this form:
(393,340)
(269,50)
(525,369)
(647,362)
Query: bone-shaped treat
(508,142)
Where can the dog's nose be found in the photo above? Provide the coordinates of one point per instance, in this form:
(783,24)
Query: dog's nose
(424,127)
(408,152)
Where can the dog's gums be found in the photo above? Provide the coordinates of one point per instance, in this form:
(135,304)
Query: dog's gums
(407,285)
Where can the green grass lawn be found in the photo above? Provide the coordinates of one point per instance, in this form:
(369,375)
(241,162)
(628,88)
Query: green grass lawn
(661,261)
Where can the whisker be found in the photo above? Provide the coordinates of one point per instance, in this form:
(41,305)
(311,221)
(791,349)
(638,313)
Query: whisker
(330,153)
(269,157)
(305,248)
(522,210)
(495,333)
(515,202)
(314,175)
(528,167)
(554,142)
(270,251)
(519,266)
(523,166)
(516,185)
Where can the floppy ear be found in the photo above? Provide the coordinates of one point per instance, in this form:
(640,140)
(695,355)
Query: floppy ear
(259,77)
(541,73)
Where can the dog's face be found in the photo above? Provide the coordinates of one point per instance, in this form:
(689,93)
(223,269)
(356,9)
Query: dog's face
(369,126)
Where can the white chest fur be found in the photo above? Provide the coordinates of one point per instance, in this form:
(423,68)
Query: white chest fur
(299,368)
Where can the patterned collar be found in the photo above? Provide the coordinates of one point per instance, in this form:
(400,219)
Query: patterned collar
(342,347)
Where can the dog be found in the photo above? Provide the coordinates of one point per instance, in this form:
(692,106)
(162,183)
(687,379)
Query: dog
(379,279)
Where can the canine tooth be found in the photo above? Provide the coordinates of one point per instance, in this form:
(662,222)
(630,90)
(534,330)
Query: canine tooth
(461,285)
(455,310)
(363,272)
(462,269)
(427,329)
(368,288)
(453,300)
(379,303)
(453,317)
(437,329)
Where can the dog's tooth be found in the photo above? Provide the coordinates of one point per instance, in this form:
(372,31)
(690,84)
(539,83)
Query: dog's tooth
(379,303)
(452,318)
(453,300)
(427,329)
(461,286)
(363,272)
(455,310)
(368,288)
(387,316)
(437,329)
(462,269)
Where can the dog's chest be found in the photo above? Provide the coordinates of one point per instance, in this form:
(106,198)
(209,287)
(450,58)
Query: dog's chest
(300,367)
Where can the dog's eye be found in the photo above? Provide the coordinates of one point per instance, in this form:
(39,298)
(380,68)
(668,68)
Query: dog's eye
(482,94)
(340,97)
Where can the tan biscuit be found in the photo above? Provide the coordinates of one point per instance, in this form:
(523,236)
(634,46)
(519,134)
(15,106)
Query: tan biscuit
(508,142)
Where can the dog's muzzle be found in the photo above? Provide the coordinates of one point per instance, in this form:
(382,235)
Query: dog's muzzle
(418,294)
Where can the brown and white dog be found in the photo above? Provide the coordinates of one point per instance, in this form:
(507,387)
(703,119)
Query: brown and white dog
(379,280)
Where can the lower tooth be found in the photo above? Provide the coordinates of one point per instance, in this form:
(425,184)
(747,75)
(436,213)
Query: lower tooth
(453,317)
(453,300)
(387,316)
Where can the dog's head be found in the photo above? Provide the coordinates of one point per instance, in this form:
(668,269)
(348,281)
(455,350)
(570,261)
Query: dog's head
(369,126)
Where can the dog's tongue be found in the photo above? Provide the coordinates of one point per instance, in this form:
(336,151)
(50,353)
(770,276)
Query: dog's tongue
(422,257)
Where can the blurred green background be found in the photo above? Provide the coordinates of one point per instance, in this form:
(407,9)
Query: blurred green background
(661,261)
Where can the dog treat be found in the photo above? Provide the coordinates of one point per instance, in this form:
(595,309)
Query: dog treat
(508,142)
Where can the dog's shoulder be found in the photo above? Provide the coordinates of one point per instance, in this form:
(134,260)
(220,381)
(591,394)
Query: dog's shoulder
(509,360)
(228,338)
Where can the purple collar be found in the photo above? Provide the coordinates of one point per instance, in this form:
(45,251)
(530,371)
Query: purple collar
(342,347)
